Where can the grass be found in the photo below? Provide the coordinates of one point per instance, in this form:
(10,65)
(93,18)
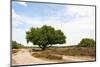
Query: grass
(70,51)
(47,56)
(57,53)
(74,51)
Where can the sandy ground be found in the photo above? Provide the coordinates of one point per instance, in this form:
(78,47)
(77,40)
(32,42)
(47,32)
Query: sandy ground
(23,57)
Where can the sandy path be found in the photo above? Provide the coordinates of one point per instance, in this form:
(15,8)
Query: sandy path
(77,58)
(24,57)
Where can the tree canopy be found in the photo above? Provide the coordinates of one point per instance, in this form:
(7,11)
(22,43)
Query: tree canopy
(87,42)
(45,36)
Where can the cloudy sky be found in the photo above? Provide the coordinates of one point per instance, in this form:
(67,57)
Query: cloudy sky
(75,21)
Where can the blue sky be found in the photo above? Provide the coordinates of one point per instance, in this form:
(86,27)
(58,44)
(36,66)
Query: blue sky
(76,22)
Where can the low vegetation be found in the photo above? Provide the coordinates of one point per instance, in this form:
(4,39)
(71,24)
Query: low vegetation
(81,51)
(16,45)
(87,42)
(47,56)
(86,47)
(70,51)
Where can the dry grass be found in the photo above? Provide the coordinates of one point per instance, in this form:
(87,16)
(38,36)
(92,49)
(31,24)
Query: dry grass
(47,56)
(57,53)
(70,51)
(74,51)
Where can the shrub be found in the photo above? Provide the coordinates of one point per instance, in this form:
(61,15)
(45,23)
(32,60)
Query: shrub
(86,42)
(16,45)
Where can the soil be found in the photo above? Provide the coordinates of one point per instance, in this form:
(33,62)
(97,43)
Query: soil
(24,57)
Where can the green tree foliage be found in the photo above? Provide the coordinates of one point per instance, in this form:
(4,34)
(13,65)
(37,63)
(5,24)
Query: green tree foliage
(45,36)
(16,45)
(87,42)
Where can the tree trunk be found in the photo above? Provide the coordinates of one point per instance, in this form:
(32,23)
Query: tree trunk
(43,47)
(49,46)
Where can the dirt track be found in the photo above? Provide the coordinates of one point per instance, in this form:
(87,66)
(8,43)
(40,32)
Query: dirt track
(23,57)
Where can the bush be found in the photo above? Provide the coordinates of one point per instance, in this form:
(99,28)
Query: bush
(16,45)
(86,42)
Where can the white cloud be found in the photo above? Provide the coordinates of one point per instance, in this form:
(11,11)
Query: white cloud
(16,19)
(81,11)
(76,30)
(79,29)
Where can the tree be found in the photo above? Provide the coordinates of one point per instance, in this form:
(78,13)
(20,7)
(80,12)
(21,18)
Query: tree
(45,36)
(87,42)
(16,45)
